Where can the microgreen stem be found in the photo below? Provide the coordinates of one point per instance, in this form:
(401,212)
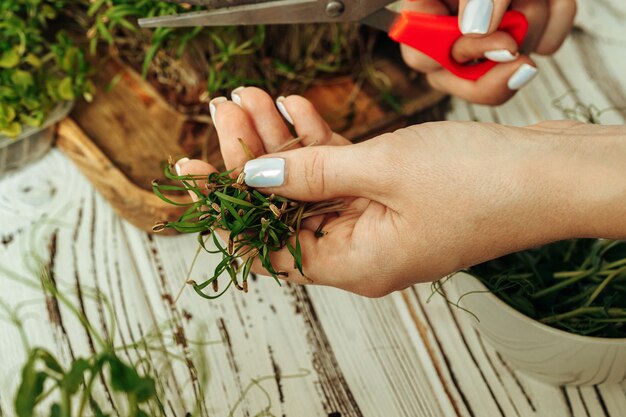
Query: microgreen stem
(616,312)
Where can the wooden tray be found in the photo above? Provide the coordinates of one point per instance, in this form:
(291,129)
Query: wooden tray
(121,140)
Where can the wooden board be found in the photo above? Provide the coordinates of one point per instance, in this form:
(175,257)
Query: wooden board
(121,140)
(399,356)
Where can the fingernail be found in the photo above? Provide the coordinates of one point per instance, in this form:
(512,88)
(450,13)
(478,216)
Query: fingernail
(476,17)
(501,55)
(179,165)
(522,76)
(235,97)
(265,172)
(281,108)
(212,104)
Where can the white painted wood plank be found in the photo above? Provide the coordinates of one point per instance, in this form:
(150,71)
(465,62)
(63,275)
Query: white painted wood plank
(395,356)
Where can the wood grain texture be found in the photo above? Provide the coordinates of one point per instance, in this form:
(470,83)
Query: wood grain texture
(324,352)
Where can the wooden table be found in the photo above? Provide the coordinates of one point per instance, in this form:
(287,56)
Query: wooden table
(314,351)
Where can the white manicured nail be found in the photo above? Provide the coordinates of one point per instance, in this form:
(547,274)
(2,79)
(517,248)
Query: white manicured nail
(235,97)
(476,17)
(522,76)
(501,55)
(265,172)
(212,105)
(281,108)
(179,164)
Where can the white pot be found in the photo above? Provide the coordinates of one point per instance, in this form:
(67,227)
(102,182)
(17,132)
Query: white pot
(32,143)
(543,352)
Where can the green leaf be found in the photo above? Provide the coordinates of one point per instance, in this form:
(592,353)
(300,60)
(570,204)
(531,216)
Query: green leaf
(30,387)
(12,130)
(123,377)
(68,59)
(145,389)
(33,120)
(32,60)
(74,377)
(50,361)
(55,410)
(65,89)
(7,113)
(10,58)
(233,199)
(21,78)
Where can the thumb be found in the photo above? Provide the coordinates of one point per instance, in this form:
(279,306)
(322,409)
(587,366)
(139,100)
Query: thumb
(313,173)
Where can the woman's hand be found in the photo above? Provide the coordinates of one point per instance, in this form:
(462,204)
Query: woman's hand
(550,21)
(427,200)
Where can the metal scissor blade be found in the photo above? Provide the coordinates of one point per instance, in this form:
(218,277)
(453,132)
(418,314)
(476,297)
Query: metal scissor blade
(274,12)
(382,19)
(215,4)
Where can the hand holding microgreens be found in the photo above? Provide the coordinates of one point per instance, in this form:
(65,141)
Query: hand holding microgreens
(256,224)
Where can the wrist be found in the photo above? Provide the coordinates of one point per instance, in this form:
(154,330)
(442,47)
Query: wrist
(586,177)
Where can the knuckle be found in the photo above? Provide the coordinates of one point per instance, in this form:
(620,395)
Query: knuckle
(315,172)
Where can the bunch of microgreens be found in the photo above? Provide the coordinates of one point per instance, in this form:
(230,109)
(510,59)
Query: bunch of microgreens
(574,285)
(258,224)
(39,66)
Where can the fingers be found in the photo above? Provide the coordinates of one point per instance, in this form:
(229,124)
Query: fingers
(562,14)
(253,117)
(481,17)
(309,124)
(494,88)
(498,47)
(266,119)
(233,123)
(412,57)
(537,14)
(313,249)
(185,166)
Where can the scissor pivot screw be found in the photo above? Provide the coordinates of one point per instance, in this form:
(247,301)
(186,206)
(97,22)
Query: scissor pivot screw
(335,8)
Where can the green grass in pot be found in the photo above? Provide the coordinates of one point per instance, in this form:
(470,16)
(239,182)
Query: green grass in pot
(40,67)
(576,285)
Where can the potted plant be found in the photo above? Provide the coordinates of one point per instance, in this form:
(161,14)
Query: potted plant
(41,73)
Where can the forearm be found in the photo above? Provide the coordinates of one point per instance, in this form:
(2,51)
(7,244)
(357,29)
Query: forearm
(597,181)
(551,182)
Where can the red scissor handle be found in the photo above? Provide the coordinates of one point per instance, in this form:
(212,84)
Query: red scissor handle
(434,36)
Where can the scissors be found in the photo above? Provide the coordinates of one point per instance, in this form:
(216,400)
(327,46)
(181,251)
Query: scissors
(432,35)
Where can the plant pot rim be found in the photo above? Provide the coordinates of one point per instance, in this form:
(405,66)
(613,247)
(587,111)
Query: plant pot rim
(58,112)
(484,291)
